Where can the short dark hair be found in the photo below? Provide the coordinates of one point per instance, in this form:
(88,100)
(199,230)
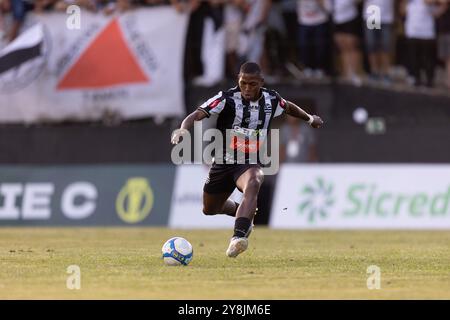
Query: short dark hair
(250,68)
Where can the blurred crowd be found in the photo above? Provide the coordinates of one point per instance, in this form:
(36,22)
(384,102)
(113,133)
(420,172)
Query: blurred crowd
(357,41)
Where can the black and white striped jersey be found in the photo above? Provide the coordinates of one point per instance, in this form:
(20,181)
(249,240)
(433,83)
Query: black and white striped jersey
(244,123)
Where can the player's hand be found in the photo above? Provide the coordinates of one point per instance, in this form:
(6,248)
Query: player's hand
(317,122)
(177,134)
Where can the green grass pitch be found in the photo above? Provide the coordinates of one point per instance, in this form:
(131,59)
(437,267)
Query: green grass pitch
(125,263)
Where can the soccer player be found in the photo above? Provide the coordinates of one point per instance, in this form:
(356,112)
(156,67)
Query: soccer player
(245,112)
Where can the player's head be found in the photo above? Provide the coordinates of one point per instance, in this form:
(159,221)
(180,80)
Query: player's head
(250,81)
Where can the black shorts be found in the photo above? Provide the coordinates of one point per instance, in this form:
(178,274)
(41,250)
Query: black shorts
(222,177)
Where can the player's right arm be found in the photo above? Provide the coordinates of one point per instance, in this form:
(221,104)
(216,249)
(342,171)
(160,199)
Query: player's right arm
(187,123)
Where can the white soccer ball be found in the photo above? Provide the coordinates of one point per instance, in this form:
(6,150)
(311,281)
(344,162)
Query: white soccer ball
(177,251)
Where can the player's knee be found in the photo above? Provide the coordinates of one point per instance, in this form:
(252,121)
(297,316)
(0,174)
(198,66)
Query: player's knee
(254,184)
(208,212)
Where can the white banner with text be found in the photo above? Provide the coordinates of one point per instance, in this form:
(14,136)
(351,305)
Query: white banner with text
(130,65)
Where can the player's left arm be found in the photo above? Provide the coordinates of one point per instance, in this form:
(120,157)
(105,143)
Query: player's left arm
(293,110)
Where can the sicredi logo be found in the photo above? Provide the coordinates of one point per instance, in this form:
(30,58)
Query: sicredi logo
(32,201)
(370,199)
(318,202)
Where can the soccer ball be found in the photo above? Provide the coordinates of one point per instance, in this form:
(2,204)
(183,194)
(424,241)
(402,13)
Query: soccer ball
(177,251)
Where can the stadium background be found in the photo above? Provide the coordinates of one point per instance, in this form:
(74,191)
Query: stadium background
(406,124)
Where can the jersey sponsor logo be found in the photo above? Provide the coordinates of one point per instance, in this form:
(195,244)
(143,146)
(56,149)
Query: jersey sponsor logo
(246,140)
(245,145)
(249,133)
(245,132)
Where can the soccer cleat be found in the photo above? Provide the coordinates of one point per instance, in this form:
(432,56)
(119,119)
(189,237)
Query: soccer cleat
(237,246)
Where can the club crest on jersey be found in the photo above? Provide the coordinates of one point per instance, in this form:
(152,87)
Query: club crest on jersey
(268,108)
